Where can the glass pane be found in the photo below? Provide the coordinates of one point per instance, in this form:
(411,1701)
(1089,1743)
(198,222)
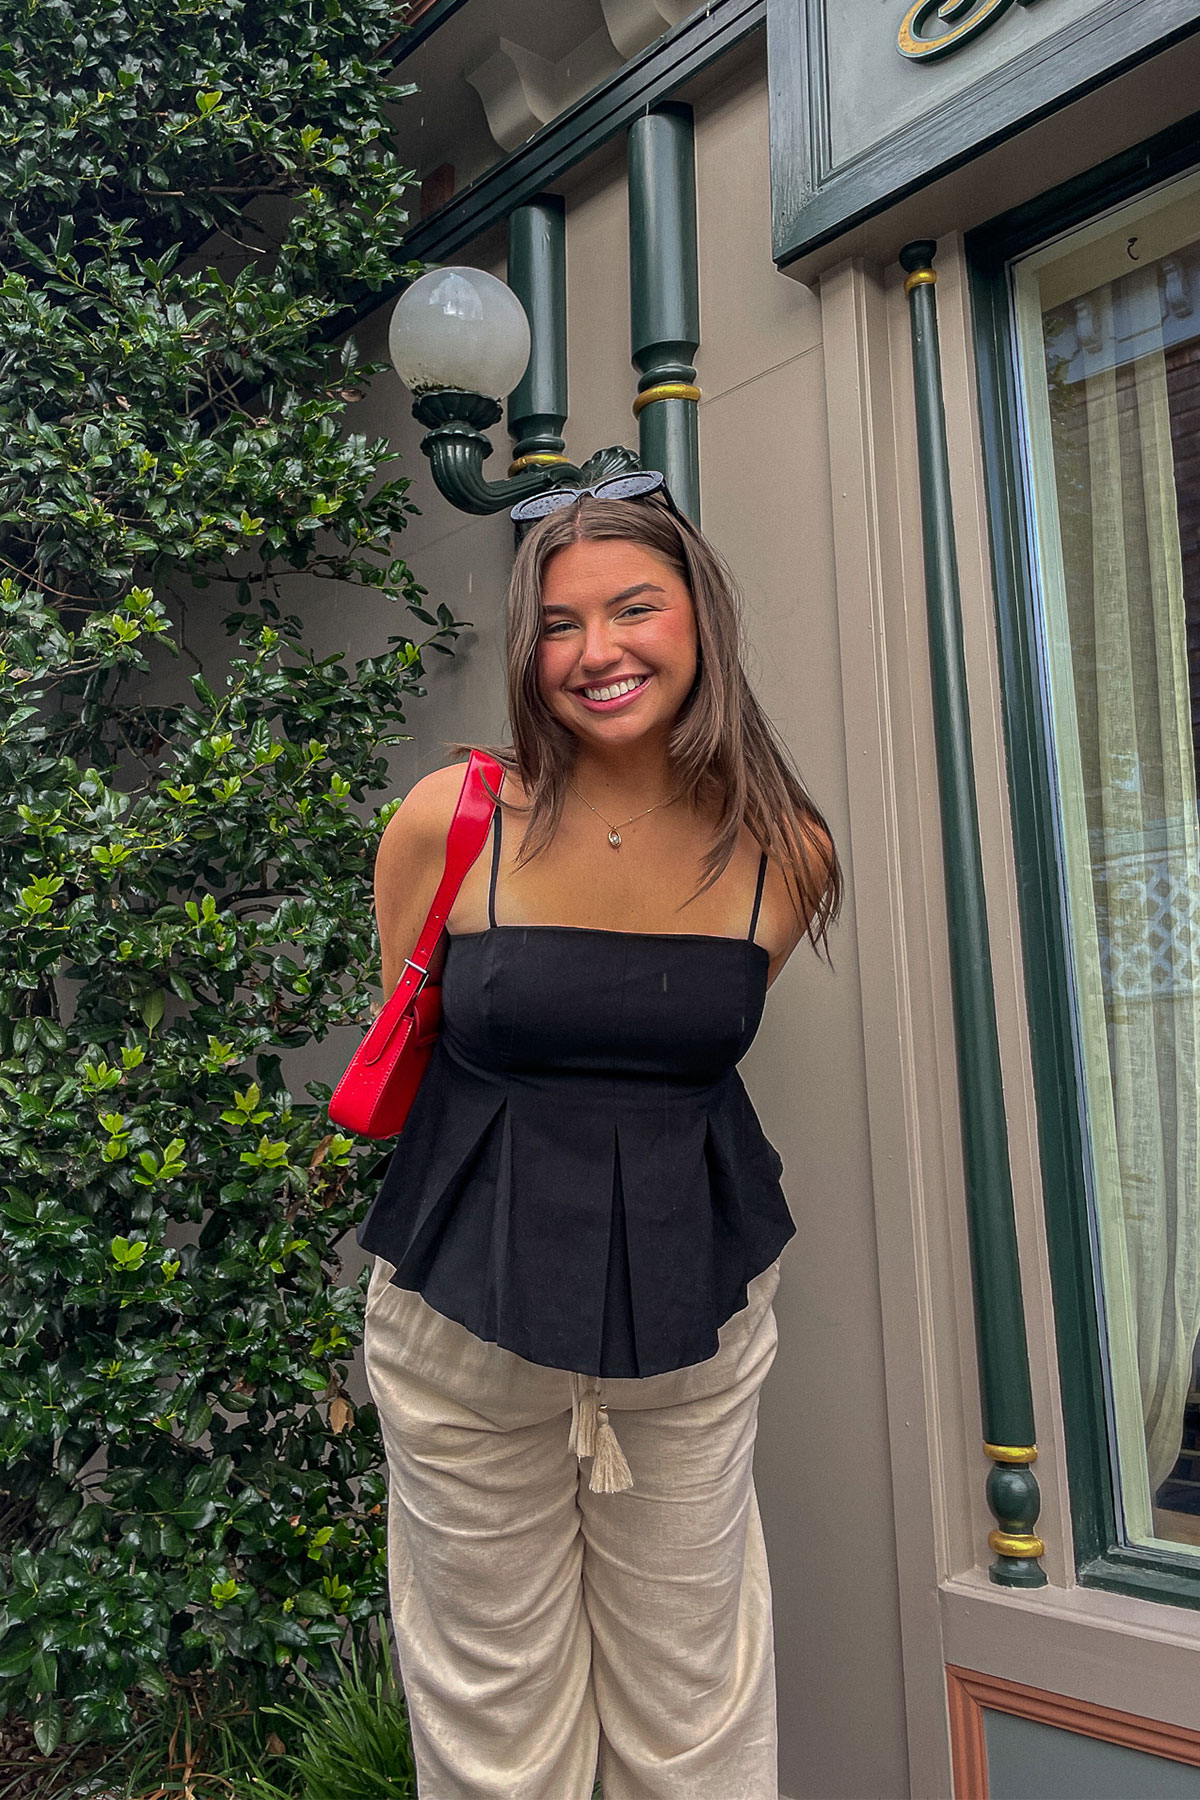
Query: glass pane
(1108,329)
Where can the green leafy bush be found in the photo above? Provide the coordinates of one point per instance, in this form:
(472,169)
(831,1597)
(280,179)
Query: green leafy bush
(186,1494)
(347,1740)
(186,1486)
(352,1740)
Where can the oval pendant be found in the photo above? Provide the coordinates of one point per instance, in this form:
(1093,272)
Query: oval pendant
(614,838)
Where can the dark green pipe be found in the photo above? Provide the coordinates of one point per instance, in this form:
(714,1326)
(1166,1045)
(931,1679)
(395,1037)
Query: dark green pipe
(1007,1402)
(664,293)
(537,274)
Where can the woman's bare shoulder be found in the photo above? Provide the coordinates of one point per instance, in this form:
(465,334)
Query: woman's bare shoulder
(430,803)
(417,830)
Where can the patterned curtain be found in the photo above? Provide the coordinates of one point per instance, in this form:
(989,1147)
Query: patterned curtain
(1117,648)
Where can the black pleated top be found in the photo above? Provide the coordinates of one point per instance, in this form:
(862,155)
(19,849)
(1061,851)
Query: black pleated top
(582,1178)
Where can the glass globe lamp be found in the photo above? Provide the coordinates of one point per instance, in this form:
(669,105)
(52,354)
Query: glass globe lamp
(459,329)
(460,339)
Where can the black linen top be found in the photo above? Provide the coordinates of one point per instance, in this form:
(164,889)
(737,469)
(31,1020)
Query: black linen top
(582,1178)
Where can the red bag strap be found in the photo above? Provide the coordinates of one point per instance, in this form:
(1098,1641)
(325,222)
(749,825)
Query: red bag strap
(468,830)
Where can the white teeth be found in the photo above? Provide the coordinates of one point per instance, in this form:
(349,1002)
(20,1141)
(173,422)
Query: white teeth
(615,690)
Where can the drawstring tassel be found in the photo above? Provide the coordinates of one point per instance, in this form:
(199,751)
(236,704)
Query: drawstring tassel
(584,1398)
(610,1472)
(592,1435)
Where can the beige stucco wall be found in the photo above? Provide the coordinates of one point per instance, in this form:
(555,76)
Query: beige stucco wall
(823,1461)
(823,1447)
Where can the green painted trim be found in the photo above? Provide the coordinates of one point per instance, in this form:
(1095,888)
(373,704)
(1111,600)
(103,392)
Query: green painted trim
(669,439)
(1156,159)
(1047,985)
(664,293)
(664,283)
(537,274)
(1005,1394)
(814,201)
(1146,1574)
(1101,1560)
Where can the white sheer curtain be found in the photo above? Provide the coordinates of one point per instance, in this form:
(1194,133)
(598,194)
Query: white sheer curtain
(1117,655)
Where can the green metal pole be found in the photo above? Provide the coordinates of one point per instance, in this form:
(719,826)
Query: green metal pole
(537,274)
(1007,1401)
(664,297)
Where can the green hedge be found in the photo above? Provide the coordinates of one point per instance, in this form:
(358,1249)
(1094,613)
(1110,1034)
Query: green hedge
(186,1494)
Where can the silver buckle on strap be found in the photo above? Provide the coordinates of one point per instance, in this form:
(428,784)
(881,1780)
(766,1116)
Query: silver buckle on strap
(423,973)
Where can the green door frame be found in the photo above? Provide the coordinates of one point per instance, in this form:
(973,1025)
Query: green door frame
(1101,1559)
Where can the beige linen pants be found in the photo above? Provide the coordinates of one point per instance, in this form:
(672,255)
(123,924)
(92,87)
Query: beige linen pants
(540,1625)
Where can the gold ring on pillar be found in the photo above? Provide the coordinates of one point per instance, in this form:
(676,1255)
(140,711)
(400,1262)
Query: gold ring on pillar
(666,390)
(1011,1543)
(536,459)
(1006,1453)
(920,278)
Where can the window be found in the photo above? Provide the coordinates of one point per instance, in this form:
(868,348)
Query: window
(1105,444)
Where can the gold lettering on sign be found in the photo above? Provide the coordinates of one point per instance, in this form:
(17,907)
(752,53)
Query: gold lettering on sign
(966,19)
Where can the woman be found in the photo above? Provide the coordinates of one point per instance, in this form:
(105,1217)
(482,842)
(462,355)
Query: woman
(569,1318)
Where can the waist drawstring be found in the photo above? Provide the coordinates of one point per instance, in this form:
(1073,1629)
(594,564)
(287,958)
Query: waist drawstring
(592,1435)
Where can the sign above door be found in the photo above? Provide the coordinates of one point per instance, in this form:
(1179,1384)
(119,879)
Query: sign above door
(872,100)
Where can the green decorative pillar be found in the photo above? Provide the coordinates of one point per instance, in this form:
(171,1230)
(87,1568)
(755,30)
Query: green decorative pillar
(537,274)
(1007,1401)
(664,297)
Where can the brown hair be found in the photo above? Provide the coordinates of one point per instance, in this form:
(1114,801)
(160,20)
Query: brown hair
(724,750)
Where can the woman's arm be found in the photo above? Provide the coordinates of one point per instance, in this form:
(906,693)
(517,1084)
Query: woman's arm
(409,864)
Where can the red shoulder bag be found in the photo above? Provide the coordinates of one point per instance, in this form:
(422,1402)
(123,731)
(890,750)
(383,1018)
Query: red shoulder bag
(374,1095)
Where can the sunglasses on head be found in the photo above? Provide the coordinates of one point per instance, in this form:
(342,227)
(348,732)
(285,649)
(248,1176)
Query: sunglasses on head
(634,485)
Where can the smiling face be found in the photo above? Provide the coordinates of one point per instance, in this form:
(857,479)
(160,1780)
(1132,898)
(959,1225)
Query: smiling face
(617,656)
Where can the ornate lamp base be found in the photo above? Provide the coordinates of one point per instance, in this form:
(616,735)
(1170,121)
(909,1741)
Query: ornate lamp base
(457,446)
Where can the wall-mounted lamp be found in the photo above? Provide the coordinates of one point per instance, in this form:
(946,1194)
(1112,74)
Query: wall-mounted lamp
(463,340)
(460,339)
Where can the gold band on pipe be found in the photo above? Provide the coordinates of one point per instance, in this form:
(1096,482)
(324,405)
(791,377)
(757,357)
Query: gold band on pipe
(536,459)
(1006,1453)
(1006,1543)
(666,390)
(920,278)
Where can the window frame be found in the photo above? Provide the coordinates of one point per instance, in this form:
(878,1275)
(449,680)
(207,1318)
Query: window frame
(1101,1560)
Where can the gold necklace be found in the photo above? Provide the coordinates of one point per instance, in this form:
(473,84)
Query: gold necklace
(614,831)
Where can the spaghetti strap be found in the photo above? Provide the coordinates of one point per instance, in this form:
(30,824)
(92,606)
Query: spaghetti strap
(496,826)
(758,894)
